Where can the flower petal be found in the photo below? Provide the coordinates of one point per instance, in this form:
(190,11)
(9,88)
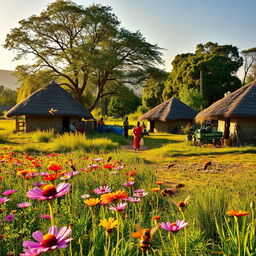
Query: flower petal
(53,230)
(31,244)
(38,236)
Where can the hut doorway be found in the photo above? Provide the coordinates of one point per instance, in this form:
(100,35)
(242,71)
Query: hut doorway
(152,125)
(227,129)
(65,124)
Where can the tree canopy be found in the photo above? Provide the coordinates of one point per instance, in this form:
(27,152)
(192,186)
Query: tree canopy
(85,46)
(218,65)
(7,96)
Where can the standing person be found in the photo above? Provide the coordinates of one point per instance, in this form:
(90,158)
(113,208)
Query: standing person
(101,125)
(137,132)
(126,127)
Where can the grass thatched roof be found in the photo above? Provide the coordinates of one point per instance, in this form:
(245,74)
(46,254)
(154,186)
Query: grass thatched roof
(171,109)
(48,101)
(238,104)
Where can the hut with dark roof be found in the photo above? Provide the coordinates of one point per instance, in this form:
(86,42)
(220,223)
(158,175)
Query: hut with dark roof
(168,116)
(50,107)
(235,113)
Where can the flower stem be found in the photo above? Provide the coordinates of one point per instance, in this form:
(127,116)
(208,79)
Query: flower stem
(61,252)
(238,237)
(108,244)
(117,238)
(50,204)
(185,235)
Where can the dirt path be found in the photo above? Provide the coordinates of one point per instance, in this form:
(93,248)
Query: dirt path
(129,148)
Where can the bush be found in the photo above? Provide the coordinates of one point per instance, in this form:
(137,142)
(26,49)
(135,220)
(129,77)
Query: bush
(70,142)
(44,136)
(4,136)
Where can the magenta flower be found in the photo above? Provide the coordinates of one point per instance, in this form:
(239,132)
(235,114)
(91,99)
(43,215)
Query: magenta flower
(174,227)
(97,159)
(52,240)
(4,199)
(38,184)
(102,190)
(30,252)
(140,194)
(129,183)
(8,192)
(93,166)
(132,199)
(65,177)
(9,217)
(49,191)
(139,190)
(119,207)
(45,216)
(24,205)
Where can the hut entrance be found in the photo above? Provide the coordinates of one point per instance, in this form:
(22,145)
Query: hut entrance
(152,125)
(227,129)
(65,124)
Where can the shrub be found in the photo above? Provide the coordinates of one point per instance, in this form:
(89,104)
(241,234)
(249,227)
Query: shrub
(70,142)
(43,136)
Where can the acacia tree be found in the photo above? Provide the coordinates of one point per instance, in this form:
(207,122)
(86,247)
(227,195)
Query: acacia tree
(85,46)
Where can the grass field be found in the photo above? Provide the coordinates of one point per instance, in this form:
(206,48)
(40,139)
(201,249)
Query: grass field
(227,183)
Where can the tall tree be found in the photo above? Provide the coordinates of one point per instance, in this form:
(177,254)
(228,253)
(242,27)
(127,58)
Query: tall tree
(7,96)
(249,61)
(213,66)
(85,46)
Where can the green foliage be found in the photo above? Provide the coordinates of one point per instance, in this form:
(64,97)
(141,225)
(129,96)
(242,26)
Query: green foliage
(43,136)
(7,96)
(125,103)
(87,48)
(191,97)
(71,142)
(218,65)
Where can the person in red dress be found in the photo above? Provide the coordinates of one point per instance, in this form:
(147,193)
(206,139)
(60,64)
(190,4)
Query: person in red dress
(137,132)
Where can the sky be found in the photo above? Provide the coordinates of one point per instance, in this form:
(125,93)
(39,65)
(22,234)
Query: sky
(177,26)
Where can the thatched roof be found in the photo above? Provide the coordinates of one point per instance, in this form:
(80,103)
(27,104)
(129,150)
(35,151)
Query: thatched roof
(171,109)
(238,104)
(50,100)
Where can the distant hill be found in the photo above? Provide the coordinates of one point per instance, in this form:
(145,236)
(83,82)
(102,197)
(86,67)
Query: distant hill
(7,79)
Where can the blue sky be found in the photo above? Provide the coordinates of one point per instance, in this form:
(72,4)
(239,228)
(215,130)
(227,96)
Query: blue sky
(175,25)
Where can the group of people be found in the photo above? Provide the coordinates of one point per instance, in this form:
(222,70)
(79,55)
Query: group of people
(77,127)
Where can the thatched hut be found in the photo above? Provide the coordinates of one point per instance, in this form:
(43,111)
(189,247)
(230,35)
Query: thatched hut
(235,113)
(50,107)
(168,116)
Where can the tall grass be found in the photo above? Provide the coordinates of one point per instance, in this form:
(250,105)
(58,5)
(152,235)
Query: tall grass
(70,142)
(43,136)
(4,136)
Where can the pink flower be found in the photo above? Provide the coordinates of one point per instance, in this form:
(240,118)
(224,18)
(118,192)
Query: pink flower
(52,240)
(119,207)
(119,168)
(8,192)
(45,216)
(133,199)
(49,191)
(4,199)
(174,227)
(24,205)
(93,166)
(129,183)
(10,217)
(30,252)
(38,184)
(139,190)
(102,190)
(97,159)
(140,194)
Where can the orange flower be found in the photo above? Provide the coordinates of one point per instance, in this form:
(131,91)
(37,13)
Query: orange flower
(237,213)
(131,173)
(92,201)
(156,217)
(51,177)
(110,197)
(137,234)
(25,172)
(155,189)
(109,166)
(131,179)
(159,182)
(55,167)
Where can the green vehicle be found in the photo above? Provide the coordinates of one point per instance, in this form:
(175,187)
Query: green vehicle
(207,136)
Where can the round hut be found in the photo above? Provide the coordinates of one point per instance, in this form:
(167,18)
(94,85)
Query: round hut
(50,107)
(235,114)
(168,116)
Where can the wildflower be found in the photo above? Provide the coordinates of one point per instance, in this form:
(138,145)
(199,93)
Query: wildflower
(131,173)
(8,192)
(65,177)
(118,168)
(49,191)
(30,252)
(52,240)
(72,174)
(156,217)
(92,201)
(9,217)
(38,184)
(159,183)
(4,199)
(129,183)
(113,172)
(182,204)
(51,177)
(155,189)
(54,167)
(109,224)
(139,190)
(45,216)
(93,166)
(109,166)
(133,199)
(237,213)
(110,197)
(174,227)
(119,207)
(102,190)
(25,172)
(97,159)
(140,194)
(24,205)
(85,196)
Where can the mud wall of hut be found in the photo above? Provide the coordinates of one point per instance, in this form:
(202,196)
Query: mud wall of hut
(168,126)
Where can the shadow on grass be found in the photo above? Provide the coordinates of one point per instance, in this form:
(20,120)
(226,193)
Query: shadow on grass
(154,142)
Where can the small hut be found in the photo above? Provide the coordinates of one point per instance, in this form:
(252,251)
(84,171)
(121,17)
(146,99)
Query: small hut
(235,113)
(50,107)
(168,116)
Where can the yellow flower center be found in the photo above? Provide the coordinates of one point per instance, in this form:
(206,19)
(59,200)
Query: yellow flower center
(49,190)
(49,240)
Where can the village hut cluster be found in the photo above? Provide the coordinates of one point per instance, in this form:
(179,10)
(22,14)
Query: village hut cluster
(50,107)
